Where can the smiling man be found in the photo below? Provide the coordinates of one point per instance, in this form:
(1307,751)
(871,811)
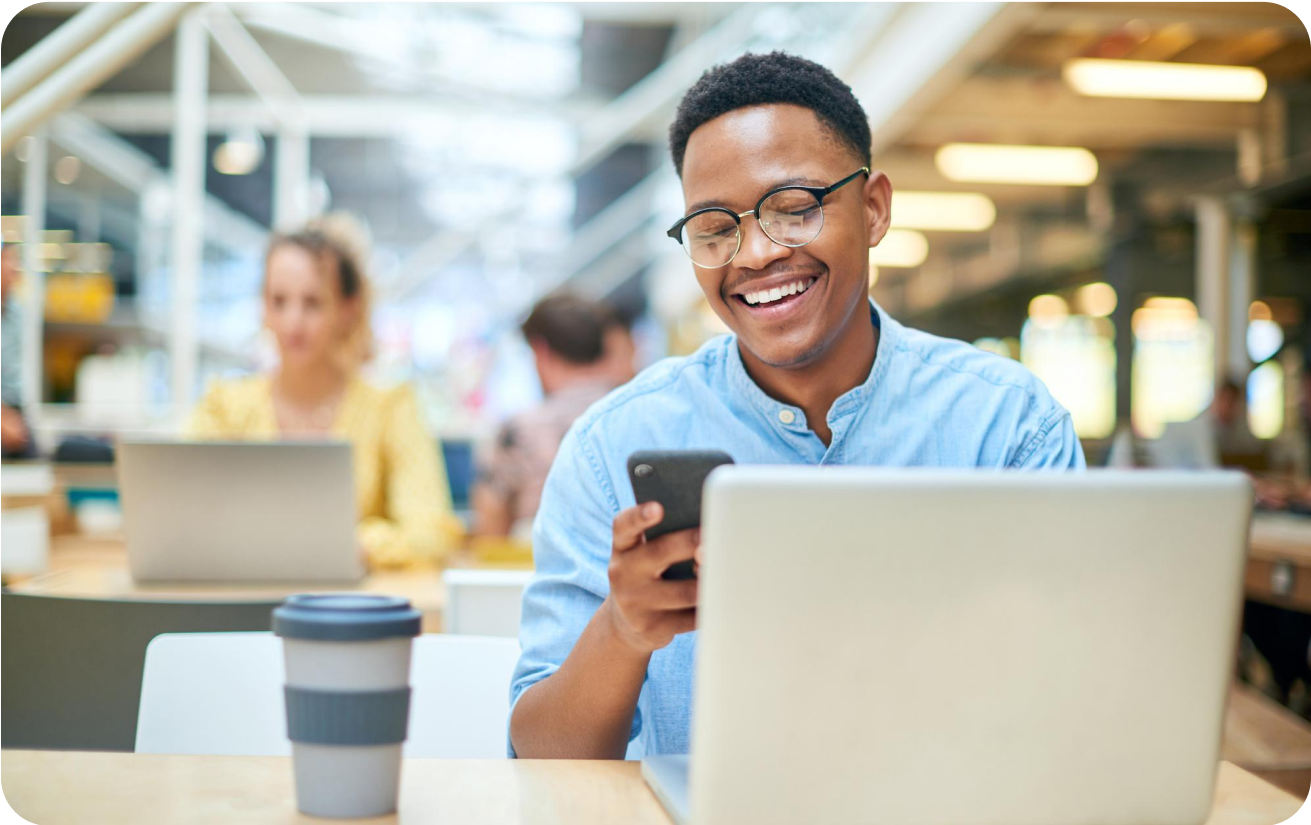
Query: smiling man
(782,209)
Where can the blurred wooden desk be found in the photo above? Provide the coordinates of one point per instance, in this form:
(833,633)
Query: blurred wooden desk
(1279,561)
(109,788)
(83,567)
(1267,739)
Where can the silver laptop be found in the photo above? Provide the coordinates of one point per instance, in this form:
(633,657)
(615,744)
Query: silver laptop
(239,511)
(928,647)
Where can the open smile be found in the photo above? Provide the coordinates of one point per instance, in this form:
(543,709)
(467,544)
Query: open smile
(777,301)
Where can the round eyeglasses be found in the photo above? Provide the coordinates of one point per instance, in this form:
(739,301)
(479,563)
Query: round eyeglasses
(789,216)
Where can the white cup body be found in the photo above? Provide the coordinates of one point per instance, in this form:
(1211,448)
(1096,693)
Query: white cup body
(347,781)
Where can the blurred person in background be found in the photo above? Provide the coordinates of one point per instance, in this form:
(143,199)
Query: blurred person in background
(620,350)
(582,351)
(15,438)
(1215,436)
(316,304)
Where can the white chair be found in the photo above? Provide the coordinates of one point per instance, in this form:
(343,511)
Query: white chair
(483,602)
(221,693)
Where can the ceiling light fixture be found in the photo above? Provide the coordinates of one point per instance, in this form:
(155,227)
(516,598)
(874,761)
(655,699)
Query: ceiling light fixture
(1146,79)
(998,163)
(943,211)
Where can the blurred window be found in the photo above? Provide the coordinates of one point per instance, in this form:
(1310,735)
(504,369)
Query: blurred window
(1074,356)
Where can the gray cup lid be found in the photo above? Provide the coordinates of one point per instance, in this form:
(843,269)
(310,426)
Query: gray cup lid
(345,617)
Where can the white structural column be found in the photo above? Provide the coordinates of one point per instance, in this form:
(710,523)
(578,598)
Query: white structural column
(291,178)
(35,179)
(1242,290)
(1214,234)
(190,84)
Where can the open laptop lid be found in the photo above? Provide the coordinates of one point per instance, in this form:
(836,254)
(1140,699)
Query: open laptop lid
(239,511)
(933,647)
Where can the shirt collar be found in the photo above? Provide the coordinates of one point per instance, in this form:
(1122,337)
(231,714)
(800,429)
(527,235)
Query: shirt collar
(793,418)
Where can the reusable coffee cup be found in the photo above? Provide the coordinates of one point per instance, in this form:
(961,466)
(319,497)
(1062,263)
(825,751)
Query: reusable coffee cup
(348,699)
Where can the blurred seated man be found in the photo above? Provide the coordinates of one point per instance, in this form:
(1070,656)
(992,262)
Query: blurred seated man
(316,304)
(1217,434)
(15,439)
(620,350)
(569,338)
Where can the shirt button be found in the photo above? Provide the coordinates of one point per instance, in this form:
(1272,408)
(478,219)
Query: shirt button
(787,416)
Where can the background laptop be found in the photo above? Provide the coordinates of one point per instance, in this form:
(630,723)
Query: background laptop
(961,647)
(239,511)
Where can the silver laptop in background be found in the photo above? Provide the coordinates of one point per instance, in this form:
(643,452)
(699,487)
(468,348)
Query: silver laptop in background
(927,647)
(239,511)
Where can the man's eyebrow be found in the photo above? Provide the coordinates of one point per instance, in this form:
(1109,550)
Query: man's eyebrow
(706,204)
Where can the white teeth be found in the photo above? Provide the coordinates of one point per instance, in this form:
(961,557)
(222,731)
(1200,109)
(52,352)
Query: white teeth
(768,296)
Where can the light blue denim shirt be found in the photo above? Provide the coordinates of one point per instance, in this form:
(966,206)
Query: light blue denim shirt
(928,401)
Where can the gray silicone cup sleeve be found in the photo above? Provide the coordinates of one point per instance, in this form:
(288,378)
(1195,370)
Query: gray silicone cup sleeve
(321,717)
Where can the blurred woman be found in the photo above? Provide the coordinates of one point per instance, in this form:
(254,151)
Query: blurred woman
(316,304)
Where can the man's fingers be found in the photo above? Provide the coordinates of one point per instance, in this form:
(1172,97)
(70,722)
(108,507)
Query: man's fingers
(670,548)
(674,595)
(630,524)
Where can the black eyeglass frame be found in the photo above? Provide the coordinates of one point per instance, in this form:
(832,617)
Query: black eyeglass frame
(818,192)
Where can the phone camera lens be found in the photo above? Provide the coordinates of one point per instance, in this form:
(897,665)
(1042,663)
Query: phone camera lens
(643,470)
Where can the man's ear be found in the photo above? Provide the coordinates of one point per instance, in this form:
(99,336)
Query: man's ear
(878,206)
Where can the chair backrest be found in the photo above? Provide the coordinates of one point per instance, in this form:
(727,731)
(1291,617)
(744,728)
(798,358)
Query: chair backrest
(72,667)
(221,693)
(483,602)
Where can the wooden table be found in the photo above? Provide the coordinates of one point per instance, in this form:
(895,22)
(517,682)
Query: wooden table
(1279,561)
(53,787)
(83,567)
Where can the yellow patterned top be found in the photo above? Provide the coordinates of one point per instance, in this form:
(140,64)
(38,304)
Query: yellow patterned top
(401,490)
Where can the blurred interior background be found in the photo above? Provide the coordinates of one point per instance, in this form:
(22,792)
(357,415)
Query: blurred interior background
(1134,238)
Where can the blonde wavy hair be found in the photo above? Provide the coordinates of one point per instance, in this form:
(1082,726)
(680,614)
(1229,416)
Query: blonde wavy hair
(340,244)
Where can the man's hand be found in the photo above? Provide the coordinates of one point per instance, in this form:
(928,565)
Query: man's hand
(646,611)
(585,709)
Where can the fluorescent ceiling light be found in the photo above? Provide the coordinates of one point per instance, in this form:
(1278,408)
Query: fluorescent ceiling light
(900,248)
(1099,77)
(946,211)
(997,163)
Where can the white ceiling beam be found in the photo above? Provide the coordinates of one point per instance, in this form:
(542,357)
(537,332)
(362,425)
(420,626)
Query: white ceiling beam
(53,50)
(924,53)
(119,46)
(339,116)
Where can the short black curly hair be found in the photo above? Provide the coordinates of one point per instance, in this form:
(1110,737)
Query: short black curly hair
(762,79)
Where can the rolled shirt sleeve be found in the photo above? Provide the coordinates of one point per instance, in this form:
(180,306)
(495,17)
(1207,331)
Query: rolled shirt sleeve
(572,536)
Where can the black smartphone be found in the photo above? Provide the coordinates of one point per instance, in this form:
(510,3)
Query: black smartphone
(674,478)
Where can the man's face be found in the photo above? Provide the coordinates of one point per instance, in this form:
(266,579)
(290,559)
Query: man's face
(732,161)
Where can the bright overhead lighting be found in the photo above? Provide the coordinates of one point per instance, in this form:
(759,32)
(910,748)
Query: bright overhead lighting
(67,169)
(240,153)
(1099,77)
(1048,309)
(1097,300)
(900,248)
(997,163)
(946,211)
